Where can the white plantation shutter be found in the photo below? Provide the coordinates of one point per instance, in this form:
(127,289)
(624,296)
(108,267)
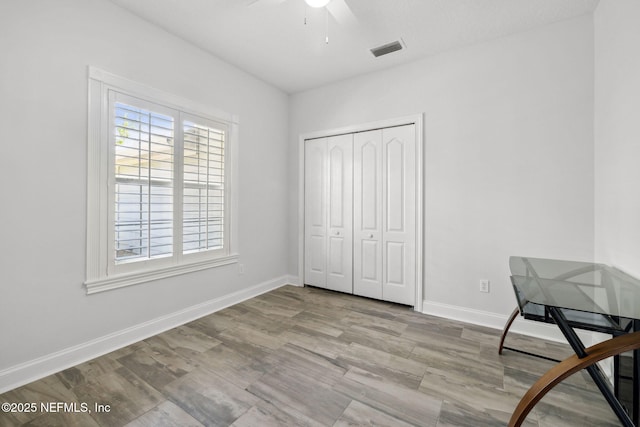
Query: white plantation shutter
(144,164)
(160,174)
(203,187)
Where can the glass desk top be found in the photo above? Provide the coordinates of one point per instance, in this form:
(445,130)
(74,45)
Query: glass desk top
(579,287)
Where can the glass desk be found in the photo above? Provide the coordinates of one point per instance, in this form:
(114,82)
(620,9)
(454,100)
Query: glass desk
(581,295)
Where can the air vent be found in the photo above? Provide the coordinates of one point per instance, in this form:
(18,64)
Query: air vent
(388,48)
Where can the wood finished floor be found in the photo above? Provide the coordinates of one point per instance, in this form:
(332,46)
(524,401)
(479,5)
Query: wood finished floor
(309,357)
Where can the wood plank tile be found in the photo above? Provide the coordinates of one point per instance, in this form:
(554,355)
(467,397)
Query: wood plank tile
(552,415)
(265,414)
(542,347)
(182,339)
(430,331)
(327,346)
(286,299)
(402,370)
(451,347)
(533,367)
(563,398)
(63,419)
(456,414)
(271,307)
(268,324)
(238,368)
(252,350)
(157,365)
(452,386)
(329,299)
(393,399)
(313,398)
(7,419)
(382,341)
(49,389)
(127,395)
(243,333)
(318,323)
(166,414)
(388,326)
(219,321)
(313,365)
(79,374)
(359,414)
(461,357)
(209,398)
(373,308)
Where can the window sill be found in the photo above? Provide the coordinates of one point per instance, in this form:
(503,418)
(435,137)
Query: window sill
(113,282)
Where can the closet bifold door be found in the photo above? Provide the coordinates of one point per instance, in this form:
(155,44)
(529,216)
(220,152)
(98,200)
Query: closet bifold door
(367,214)
(315,212)
(399,214)
(384,220)
(340,214)
(328,213)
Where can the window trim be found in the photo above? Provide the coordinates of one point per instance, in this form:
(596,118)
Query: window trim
(100,276)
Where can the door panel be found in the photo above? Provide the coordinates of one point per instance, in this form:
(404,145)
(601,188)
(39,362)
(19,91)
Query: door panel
(394,256)
(340,205)
(399,218)
(316,258)
(369,188)
(314,184)
(315,212)
(367,214)
(370,262)
(337,185)
(336,256)
(395,174)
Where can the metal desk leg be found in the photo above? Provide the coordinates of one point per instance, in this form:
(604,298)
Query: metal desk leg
(506,328)
(636,379)
(616,375)
(568,367)
(594,370)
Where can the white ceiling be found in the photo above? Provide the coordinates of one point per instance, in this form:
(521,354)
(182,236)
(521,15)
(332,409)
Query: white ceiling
(270,40)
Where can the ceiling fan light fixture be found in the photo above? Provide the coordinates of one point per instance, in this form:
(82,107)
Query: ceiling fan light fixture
(317,3)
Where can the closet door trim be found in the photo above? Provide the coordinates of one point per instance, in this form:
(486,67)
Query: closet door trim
(417,120)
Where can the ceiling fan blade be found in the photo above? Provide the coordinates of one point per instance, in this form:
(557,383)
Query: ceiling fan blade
(264,2)
(342,12)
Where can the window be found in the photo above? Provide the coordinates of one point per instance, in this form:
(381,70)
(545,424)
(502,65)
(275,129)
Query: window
(160,184)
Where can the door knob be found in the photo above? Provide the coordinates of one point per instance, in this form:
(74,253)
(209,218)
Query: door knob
(371,236)
(337,233)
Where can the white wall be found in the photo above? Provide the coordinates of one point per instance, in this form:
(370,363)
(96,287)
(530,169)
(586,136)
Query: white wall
(508,155)
(617,133)
(45,50)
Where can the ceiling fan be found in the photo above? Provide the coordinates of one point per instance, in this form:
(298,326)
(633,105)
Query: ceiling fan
(339,9)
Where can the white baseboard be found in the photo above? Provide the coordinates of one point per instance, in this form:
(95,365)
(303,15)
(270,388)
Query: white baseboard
(497,321)
(293,280)
(32,370)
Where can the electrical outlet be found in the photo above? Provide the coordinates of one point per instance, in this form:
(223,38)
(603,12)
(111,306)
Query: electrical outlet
(240,268)
(484,285)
